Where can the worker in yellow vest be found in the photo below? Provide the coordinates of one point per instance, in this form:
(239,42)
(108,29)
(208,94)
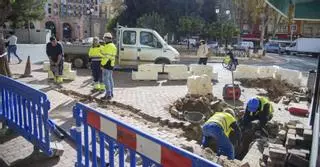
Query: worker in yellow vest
(219,127)
(109,52)
(95,58)
(258,108)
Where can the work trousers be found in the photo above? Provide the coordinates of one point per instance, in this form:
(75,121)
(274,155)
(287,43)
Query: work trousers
(224,145)
(96,71)
(108,82)
(203,61)
(12,49)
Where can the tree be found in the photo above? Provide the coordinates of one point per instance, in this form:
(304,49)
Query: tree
(229,30)
(191,25)
(153,21)
(5,10)
(25,11)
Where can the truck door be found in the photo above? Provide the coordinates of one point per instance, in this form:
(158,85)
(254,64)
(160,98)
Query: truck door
(150,47)
(128,54)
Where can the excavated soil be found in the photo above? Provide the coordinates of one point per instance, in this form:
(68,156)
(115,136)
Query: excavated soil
(275,88)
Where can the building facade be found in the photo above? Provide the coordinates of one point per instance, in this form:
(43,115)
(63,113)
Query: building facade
(71,20)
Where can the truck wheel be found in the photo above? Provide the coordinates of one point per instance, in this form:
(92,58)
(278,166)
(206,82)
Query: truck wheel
(78,62)
(162,61)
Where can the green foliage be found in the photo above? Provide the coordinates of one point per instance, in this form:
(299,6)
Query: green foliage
(152,21)
(111,24)
(24,11)
(189,25)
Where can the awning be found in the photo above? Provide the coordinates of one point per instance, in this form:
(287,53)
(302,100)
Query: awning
(304,9)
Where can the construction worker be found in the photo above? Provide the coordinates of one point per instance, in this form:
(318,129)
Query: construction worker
(54,51)
(258,108)
(95,58)
(219,127)
(109,52)
(203,52)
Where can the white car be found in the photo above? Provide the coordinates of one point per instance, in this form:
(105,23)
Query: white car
(244,45)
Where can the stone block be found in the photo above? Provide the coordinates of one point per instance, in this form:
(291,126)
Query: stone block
(299,128)
(197,69)
(299,140)
(282,135)
(292,131)
(215,76)
(297,152)
(265,155)
(145,75)
(297,160)
(199,85)
(57,148)
(277,153)
(153,68)
(179,76)
(291,140)
(307,135)
(70,75)
(306,152)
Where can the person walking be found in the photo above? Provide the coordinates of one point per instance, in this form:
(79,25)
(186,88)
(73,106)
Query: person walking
(203,52)
(54,51)
(12,47)
(95,58)
(218,127)
(109,52)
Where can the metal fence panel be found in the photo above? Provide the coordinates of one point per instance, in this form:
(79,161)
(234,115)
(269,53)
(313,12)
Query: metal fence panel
(110,140)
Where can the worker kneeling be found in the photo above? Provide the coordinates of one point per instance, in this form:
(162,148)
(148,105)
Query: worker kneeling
(219,127)
(258,108)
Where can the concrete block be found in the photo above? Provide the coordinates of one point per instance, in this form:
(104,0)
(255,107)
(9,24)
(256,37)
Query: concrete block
(46,66)
(297,160)
(201,69)
(290,76)
(70,75)
(179,76)
(150,68)
(199,85)
(292,131)
(57,148)
(267,71)
(145,75)
(245,71)
(215,76)
(297,152)
(175,68)
(299,140)
(265,155)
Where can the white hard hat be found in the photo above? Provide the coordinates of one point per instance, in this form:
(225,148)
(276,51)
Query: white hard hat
(107,35)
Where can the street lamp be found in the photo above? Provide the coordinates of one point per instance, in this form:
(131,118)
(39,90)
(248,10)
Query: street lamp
(90,12)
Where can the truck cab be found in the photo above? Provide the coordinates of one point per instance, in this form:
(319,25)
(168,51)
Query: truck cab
(138,46)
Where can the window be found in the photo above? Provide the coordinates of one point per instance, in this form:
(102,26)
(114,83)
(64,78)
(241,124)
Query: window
(148,39)
(129,37)
(49,10)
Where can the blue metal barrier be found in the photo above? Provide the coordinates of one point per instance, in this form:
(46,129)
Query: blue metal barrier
(25,110)
(102,134)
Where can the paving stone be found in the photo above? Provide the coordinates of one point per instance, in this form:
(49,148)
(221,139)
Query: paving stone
(277,153)
(297,161)
(299,128)
(291,140)
(307,134)
(282,135)
(266,155)
(299,140)
(297,152)
(292,131)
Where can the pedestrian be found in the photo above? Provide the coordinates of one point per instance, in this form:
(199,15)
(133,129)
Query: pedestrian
(95,59)
(109,52)
(54,52)
(12,46)
(218,127)
(203,53)
(258,108)
(4,66)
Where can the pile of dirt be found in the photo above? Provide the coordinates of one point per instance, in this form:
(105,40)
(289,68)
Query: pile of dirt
(275,88)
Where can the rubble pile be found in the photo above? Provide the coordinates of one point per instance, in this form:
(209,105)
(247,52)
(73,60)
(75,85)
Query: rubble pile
(275,88)
(205,104)
(292,147)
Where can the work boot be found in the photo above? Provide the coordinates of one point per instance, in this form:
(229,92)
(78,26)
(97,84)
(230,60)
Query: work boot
(59,80)
(20,61)
(102,87)
(97,86)
(106,98)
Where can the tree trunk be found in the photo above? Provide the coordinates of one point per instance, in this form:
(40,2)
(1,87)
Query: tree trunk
(29,32)
(276,25)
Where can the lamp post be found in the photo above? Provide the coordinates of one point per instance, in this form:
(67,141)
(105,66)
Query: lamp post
(227,12)
(90,12)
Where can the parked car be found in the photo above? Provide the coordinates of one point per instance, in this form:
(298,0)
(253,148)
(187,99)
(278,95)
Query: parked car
(192,42)
(212,44)
(272,47)
(244,45)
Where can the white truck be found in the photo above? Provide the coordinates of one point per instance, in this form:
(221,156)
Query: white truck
(309,46)
(135,46)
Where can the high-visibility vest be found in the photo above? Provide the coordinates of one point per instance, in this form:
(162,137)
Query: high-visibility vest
(109,52)
(95,52)
(224,120)
(263,102)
